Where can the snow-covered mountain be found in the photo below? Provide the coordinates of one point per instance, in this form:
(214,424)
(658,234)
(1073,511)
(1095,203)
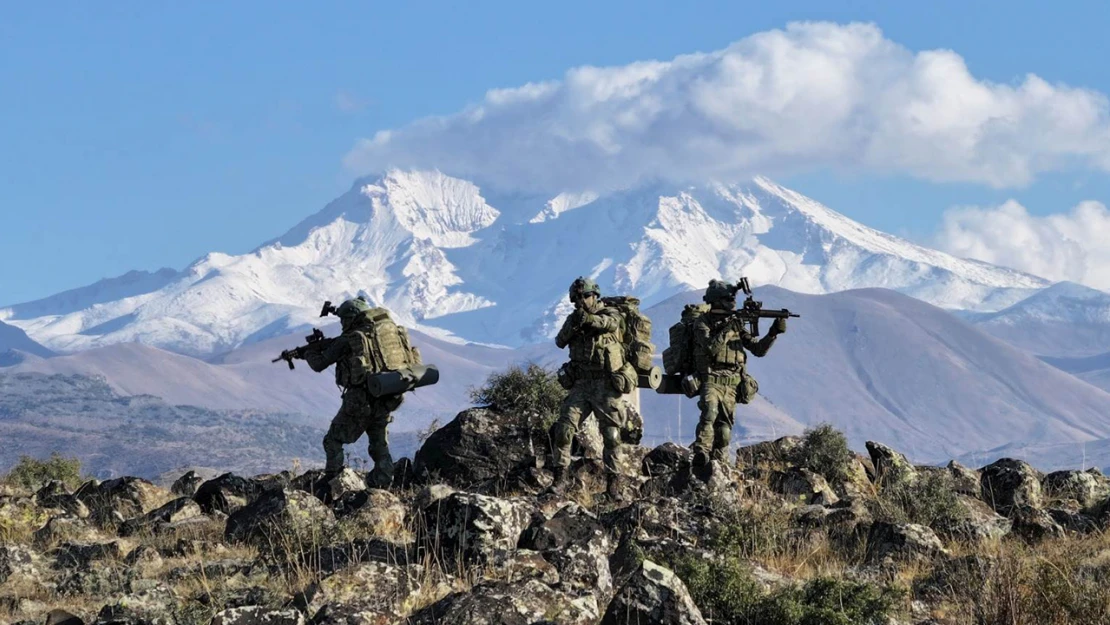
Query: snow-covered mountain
(1065,320)
(454,259)
(15,346)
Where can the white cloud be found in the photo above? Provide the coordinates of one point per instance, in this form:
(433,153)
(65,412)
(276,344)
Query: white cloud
(812,95)
(1071,246)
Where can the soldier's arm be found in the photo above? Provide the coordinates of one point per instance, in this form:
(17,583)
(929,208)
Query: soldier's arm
(603,322)
(325,353)
(566,333)
(758,348)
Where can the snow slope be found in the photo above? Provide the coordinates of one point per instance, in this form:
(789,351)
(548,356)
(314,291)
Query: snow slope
(457,261)
(1065,320)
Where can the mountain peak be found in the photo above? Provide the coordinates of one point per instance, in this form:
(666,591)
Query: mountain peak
(455,259)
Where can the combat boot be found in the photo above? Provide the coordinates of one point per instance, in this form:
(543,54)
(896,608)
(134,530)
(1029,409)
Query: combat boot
(559,481)
(613,488)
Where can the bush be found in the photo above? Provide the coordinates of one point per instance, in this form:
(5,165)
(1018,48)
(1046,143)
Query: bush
(531,391)
(726,592)
(824,450)
(32,473)
(930,499)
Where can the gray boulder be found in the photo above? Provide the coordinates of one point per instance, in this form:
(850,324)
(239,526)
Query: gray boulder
(803,486)
(479,449)
(176,511)
(291,515)
(1086,488)
(964,480)
(498,603)
(655,595)
(577,544)
(1033,524)
(891,467)
(902,542)
(226,493)
(473,527)
(1008,483)
(186,485)
(257,615)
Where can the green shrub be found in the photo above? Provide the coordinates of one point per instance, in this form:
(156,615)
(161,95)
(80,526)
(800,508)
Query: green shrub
(930,499)
(530,390)
(32,473)
(824,450)
(726,592)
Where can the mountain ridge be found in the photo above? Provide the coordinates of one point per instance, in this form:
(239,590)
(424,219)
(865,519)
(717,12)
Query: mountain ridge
(448,260)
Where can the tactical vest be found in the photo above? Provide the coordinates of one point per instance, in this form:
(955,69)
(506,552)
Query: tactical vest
(729,355)
(598,352)
(376,344)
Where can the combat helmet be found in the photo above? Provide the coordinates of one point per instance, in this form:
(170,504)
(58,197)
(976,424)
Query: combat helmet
(350,310)
(583,286)
(720,293)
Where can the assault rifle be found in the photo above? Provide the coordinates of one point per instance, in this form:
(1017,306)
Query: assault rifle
(289,354)
(752,311)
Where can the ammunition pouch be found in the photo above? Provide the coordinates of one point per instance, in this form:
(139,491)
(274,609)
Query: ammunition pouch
(566,376)
(691,386)
(746,390)
(624,380)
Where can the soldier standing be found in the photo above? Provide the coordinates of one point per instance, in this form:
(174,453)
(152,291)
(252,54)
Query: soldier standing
(720,338)
(595,378)
(355,356)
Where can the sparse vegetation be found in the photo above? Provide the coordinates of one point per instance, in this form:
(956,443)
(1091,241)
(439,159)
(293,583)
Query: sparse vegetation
(930,500)
(530,390)
(32,473)
(824,450)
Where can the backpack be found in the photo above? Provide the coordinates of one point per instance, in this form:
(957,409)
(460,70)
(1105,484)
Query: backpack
(638,348)
(388,343)
(679,356)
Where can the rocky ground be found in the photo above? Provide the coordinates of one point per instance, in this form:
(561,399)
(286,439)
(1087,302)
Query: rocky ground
(795,531)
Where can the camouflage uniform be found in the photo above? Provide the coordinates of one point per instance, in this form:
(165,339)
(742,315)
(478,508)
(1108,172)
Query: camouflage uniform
(360,412)
(719,343)
(596,357)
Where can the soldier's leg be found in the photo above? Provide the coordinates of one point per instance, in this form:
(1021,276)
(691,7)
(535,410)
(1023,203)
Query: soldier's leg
(709,404)
(381,415)
(346,428)
(609,408)
(722,427)
(574,406)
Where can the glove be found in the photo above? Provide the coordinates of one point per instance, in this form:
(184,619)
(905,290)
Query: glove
(779,326)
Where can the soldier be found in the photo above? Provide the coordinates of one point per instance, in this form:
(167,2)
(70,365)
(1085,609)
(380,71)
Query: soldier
(595,377)
(355,357)
(720,338)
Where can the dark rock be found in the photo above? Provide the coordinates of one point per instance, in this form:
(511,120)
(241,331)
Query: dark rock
(803,486)
(150,606)
(371,512)
(186,485)
(667,459)
(74,555)
(499,603)
(1074,520)
(331,558)
(477,447)
(115,501)
(891,467)
(258,615)
(1083,487)
(978,523)
(1034,524)
(1008,483)
(55,495)
(295,515)
(964,480)
(226,493)
(62,617)
(766,456)
(652,595)
(61,529)
(472,527)
(902,542)
(375,588)
(175,511)
(330,488)
(577,544)
(15,561)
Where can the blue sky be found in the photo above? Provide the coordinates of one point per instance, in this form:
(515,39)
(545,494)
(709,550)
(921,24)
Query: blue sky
(137,136)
